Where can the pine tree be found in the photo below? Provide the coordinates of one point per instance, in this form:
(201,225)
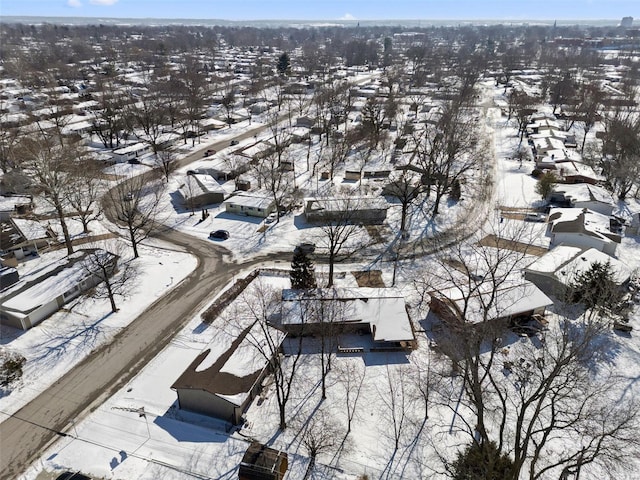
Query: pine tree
(596,288)
(302,272)
(284,63)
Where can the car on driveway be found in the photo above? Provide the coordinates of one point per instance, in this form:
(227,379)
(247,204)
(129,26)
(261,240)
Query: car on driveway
(306,248)
(271,218)
(535,217)
(219,234)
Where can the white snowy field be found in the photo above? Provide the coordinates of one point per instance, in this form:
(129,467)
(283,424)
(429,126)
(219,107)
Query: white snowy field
(61,341)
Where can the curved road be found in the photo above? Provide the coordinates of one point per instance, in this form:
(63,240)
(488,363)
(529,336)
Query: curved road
(24,434)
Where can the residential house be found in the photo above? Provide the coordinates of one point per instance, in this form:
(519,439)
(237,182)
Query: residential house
(380,313)
(365,210)
(251,204)
(35,297)
(489,305)
(223,384)
(555,271)
(583,195)
(200,189)
(581,227)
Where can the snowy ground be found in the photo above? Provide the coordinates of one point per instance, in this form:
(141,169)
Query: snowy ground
(116,442)
(64,339)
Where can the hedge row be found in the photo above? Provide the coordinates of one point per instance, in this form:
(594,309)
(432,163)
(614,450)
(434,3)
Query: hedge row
(211,313)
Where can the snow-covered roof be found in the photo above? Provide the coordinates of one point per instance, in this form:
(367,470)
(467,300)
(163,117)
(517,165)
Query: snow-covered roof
(566,262)
(9,203)
(249,200)
(511,299)
(231,374)
(42,290)
(584,192)
(383,309)
(30,229)
(581,220)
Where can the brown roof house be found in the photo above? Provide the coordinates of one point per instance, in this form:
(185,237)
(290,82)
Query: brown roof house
(582,228)
(222,385)
(263,463)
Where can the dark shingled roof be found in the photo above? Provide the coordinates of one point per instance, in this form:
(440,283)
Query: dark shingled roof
(214,381)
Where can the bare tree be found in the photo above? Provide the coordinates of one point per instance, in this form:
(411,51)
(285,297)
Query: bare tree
(136,203)
(338,227)
(407,190)
(115,276)
(320,435)
(275,178)
(351,377)
(166,162)
(449,148)
(621,152)
(49,164)
(535,397)
(84,190)
(260,302)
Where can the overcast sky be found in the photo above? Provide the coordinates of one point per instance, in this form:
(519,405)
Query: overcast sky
(328,9)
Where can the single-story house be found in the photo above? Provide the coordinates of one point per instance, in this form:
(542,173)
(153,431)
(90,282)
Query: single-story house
(379,312)
(555,271)
(582,195)
(130,152)
(365,210)
(513,300)
(201,189)
(26,236)
(35,297)
(305,121)
(14,204)
(251,204)
(581,227)
(263,463)
(222,385)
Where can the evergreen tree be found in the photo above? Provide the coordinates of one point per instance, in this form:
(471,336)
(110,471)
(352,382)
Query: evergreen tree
(302,271)
(482,462)
(596,288)
(546,184)
(284,63)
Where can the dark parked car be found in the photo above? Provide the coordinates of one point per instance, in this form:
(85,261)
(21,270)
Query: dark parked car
(234,142)
(219,234)
(72,476)
(209,152)
(306,248)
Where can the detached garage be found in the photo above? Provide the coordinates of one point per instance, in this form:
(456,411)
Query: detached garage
(223,385)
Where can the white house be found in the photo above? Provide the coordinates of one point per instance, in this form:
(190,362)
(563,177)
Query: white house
(251,204)
(35,297)
(581,227)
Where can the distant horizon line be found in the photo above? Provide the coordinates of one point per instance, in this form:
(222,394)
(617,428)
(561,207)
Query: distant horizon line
(56,18)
